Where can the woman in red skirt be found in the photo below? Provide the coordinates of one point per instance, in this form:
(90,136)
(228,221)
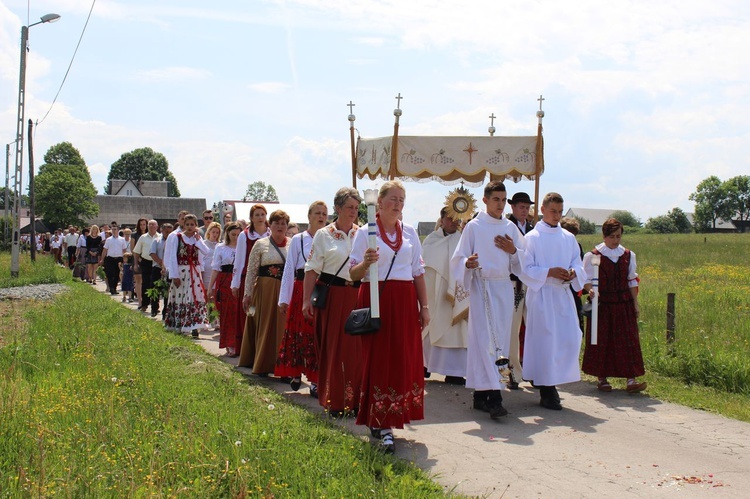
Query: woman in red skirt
(297,351)
(220,289)
(618,349)
(339,355)
(392,390)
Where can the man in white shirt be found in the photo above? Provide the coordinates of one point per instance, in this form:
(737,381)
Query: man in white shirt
(144,263)
(114,247)
(70,242)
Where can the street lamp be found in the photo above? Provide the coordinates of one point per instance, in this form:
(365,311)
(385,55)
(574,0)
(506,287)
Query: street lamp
(15,249)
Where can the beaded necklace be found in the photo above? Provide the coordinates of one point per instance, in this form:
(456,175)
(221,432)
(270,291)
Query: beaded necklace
(396,245)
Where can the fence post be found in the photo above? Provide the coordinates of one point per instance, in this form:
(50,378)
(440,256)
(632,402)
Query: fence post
(670,317)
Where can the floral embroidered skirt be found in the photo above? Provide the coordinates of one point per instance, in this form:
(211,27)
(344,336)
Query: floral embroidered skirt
(186,310)
(297,351)
(392,392)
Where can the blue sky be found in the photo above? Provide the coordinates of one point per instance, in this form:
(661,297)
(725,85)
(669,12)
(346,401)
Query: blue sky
(642,99)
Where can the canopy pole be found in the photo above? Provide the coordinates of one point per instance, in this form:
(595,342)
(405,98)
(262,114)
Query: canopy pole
(539,160)
(352,118)
(394,143)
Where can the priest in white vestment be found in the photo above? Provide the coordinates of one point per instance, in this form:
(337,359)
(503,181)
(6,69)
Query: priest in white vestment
(444,340)
(488,252)
(552,262)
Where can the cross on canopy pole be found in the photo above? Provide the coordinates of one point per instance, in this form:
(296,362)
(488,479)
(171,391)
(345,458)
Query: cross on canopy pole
(352,118)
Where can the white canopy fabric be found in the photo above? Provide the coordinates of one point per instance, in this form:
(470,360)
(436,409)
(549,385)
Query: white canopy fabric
(451,159)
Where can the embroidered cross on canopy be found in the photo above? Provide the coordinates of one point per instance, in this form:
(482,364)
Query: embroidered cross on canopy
(451,159)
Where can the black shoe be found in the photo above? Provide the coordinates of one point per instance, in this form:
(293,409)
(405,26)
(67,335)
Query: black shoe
(154,313)
(455,380)
(513,385)
(427,373)
(314,391)
(195,333)
(495,404)
(498,411)
(550,403)
(386,442)
(375,432)
(481,405)
(295,384)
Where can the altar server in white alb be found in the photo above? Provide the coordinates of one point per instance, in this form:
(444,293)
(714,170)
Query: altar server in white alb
(553,336)
(444,341)
(489,251)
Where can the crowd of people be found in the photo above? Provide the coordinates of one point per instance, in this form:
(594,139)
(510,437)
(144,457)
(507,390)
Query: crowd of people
(489,303)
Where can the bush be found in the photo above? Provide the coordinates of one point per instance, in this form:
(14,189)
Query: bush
(586,226)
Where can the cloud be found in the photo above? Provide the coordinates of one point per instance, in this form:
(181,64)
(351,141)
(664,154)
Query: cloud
(172,74)
(371,41)
(269,87)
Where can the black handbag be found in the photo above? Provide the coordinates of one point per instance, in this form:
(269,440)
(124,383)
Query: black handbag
(319,295)
(360,320)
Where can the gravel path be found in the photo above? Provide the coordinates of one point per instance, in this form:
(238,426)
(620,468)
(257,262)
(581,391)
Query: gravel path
(36,292)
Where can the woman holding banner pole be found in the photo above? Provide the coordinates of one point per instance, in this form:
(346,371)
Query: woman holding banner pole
(392,392)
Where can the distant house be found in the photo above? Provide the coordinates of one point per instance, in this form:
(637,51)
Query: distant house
(131,200)
(597,216)
(721,224)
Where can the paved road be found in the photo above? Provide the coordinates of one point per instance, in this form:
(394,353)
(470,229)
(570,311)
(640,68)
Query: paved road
(599,445)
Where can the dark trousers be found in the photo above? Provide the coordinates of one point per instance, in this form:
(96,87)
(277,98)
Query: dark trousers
(71,256)
(147,281)
(155,276)
(112,271)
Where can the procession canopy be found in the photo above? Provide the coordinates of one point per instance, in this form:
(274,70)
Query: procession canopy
(451,159)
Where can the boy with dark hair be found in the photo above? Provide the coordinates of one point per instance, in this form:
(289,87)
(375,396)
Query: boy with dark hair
(485,257)
(553,338)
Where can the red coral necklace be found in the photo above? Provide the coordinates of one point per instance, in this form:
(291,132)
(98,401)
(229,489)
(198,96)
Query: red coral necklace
(396,245)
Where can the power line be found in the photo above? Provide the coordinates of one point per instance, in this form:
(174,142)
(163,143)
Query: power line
(69,65)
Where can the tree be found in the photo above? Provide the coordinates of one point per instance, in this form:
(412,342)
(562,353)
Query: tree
(143,164)
(662,224)
(626,218)
(586,227)
(64,192)
(711,203)
(680,221)
(260,192)
(738,196)
(64,154)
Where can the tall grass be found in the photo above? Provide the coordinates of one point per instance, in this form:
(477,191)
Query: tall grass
(710,276)
(98,401)
(43,271)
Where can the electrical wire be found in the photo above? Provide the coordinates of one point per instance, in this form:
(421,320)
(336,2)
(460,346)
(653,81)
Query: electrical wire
(39,122)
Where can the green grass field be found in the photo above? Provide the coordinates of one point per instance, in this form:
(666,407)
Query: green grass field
(98,401)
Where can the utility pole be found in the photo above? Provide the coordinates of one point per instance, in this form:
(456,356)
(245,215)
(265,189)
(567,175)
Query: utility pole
(32,212)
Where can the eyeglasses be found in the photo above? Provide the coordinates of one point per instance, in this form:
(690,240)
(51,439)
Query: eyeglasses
(208,218)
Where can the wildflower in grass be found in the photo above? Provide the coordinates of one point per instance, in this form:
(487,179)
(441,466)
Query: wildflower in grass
(238,443)
(271,407)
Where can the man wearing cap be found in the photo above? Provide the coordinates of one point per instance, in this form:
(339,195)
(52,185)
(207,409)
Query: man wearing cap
(520,204)
(444,340)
